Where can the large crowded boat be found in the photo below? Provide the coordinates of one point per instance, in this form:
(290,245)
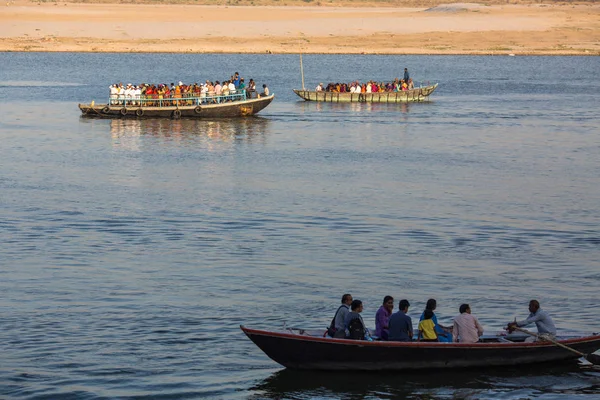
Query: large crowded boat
(181,101)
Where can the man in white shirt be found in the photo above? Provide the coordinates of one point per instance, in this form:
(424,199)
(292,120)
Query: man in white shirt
(319,88)
(265,91)
(137,95)
(114,94)
(466,327)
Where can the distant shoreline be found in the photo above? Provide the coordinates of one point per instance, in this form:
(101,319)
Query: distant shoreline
(446,29)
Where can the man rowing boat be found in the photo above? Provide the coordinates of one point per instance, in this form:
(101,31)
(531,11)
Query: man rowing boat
(541,318)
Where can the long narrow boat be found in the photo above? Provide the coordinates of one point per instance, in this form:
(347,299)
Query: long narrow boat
(236,105)
(306,349)
(408,96)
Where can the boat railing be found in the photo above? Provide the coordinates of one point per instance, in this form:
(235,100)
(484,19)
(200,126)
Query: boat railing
(184,100)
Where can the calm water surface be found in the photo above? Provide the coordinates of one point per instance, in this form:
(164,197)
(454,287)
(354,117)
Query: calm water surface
(132,250)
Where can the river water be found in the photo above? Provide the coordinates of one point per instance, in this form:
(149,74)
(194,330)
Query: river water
(133,250)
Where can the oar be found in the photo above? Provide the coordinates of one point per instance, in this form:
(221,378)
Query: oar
(593,358)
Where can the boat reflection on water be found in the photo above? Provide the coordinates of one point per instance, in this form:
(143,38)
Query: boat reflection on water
(310,107)
(220,129)
(513,382)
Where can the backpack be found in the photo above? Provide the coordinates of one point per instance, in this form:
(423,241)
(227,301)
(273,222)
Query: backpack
(356,329)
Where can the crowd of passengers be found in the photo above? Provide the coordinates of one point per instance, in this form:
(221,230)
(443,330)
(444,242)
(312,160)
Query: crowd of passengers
(398,85)
(181,94)
(348,323)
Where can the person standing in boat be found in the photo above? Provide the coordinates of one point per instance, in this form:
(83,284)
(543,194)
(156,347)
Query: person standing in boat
(466,328)
(382,317)
(406,75)
(543,322)
(400,324)
(444,333)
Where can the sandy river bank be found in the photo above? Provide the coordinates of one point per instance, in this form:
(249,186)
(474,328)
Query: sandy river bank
(445,29)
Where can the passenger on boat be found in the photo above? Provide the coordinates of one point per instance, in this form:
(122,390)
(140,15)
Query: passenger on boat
(232,87)
(265,91)
(354,329)
(400,324)
(466,328)
(225,89)
(406,75)
(411,84)
(236,80)
(319,88)
(543,322)
(444,332)
(382,317)
(251,88)
(242,85)
(427,328)
(114,94)
(337,328)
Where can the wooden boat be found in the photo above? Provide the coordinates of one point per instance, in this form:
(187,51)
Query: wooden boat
(408,96)
(237,105)
(306,349)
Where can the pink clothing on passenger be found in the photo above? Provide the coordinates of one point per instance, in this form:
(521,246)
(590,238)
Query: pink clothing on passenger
(466,329)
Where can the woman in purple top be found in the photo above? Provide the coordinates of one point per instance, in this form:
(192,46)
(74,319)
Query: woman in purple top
(382,317)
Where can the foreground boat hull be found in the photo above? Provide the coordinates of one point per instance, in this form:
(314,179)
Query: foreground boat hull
(308,352)
(222,110)
(408,96)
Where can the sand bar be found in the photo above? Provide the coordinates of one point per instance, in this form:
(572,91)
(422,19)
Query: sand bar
(459,28)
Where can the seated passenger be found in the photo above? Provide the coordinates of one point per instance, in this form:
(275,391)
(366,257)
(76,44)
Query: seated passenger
(467,328)
(400,324)
(251,90)
(225,89)
(319,88)
(382,317)
(427,328)
(337,328)
(265,91)
(444,333)
(355,326)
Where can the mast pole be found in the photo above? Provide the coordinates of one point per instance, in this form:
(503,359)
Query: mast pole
(302,71)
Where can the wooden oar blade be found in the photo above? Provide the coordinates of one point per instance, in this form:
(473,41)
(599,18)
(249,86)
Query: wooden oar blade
(593,358)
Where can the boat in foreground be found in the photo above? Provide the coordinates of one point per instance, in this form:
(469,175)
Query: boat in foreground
(306,349)
(407,96)
(237,105)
